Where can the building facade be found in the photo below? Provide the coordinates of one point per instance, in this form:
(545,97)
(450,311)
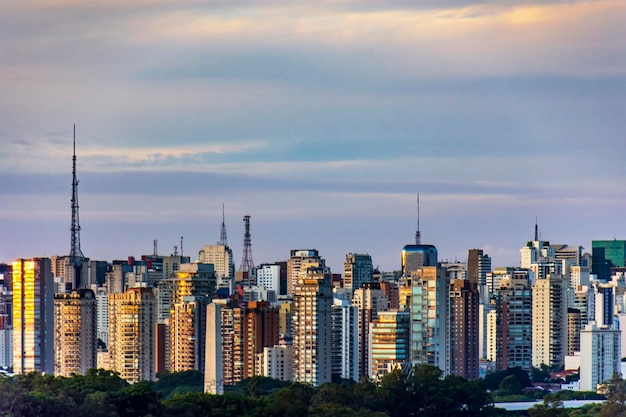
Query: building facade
(75,346)
(312,307)
(132,324)
(33,310)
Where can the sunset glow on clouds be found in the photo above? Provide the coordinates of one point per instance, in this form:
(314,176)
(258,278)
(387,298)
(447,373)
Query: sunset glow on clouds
(320,120)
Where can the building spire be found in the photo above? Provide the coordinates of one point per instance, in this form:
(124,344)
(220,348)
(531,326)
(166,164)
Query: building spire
(223,238)
(418,234)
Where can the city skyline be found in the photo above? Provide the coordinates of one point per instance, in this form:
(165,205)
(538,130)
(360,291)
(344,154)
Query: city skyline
(320,121)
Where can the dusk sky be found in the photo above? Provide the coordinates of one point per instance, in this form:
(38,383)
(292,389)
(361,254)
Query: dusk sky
(321,120)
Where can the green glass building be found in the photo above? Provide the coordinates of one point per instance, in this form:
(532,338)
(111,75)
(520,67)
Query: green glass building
(607,254)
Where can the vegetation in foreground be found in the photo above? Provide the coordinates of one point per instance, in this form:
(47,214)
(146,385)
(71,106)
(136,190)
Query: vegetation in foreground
(426,392)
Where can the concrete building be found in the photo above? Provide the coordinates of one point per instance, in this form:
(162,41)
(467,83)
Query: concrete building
(549,321)
(187,327)
(512,345)
(345,340)
(312,327)
(478,266)
(463,325)
(102,313)
(197,280)
(600,355)
(357,270)
(301,258)
(33,311)
(214,370)
(75,346)
(268,276)
(132,319)
(389,343)
(370,300)
(221,256)
(277,362)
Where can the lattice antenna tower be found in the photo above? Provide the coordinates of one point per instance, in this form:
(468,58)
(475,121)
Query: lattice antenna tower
(223,238)
(246,259)
(418,234)
(76,255)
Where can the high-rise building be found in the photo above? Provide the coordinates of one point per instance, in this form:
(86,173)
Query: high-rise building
(429,319)
(549,320)
(187,329)
(196,280)
(260,331)
(478,265)
(312,327)
(345,340)
(75,325)
(463,319)
(390,343)
(415,257)
(607,254)
(132,319)
(357,270)
(102,313)
(221,256)
(370,300)
(301,258)
(277,362)
(573,331)
(33,310)
(268,276)
(511,337)
(600,355)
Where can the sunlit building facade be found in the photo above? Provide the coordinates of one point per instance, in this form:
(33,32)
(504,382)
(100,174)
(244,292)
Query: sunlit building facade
(33,309)
(132,319)
(75,344)
(312,327)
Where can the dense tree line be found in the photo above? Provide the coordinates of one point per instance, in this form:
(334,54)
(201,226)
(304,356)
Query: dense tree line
(425,392)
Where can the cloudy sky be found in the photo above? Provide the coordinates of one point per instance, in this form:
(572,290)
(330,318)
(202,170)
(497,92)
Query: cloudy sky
(321,120)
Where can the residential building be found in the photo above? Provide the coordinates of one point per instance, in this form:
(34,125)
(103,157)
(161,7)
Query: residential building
(33,312)
(600,355)
(549,321)
(390,337)
(370,300)
(312,327)
(463,324)
(132,319)
(75,346)
(429,317)
(345,340)
(357,270)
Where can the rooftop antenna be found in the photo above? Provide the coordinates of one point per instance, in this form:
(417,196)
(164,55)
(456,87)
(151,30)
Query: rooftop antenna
(181,246)
(223,239)
(175,250)
(418,234)
(76,255)
(154,247)
(536,231)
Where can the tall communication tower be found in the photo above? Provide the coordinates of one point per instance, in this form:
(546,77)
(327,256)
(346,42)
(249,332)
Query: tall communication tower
(418,234)
(76,255)
(246,260)
(223,239)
